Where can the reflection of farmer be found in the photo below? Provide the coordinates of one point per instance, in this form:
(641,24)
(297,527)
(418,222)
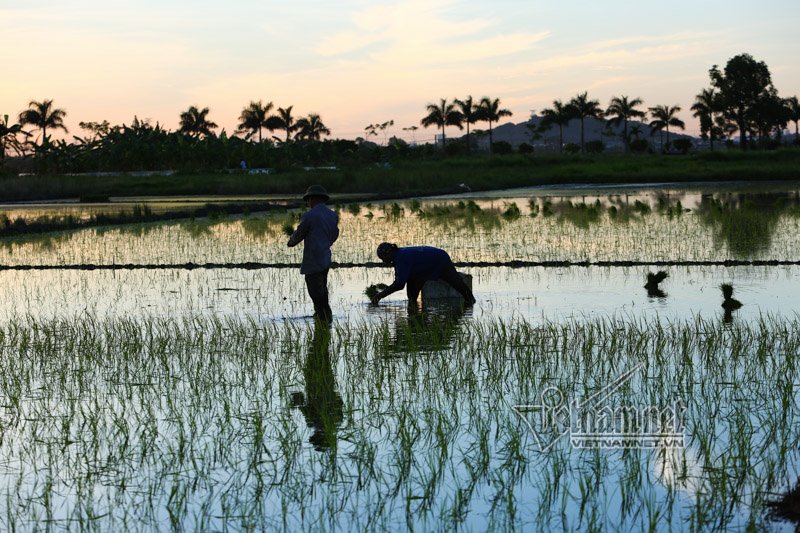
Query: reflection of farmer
(414,265)
(321,405)
(319,230)
(428,330)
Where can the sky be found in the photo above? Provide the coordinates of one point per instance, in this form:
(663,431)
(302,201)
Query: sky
(362,62)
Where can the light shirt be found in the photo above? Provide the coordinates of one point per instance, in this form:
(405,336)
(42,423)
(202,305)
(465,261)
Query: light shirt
(318,229)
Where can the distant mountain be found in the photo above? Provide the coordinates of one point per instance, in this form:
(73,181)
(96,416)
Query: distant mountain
(595,130)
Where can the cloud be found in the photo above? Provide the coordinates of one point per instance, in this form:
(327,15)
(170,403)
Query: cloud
(423,32)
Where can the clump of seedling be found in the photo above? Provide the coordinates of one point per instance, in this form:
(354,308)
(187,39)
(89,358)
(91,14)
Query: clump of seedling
(653,280)
(511,212)
(287,228)
(373,290)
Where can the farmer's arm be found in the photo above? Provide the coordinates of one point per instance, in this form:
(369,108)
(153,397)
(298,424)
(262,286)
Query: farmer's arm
(300,233)
(335,230)
(402,272)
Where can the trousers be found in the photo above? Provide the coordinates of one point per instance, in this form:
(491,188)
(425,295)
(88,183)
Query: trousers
(449,275)
(317,285)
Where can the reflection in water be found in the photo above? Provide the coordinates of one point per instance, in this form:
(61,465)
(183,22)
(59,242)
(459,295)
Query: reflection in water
(430,328)
(746,223)
(321,404)
(466,215)
(653,290)
(787,507)
(729,304)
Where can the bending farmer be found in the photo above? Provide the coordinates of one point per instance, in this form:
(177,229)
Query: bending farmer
(318,229)
(414,265)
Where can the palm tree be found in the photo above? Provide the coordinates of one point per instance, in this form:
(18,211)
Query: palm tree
(558,115)
(663,118)
(441,115)
(623,110)
(195,123)
(705,106)
(283,121)
(793,108)
(471,113)
(8,138)
(311,128)
(583,108)
(42,115)
(490,111)
(254,117)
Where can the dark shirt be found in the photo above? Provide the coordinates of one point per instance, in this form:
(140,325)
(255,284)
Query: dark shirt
(319,230)
(417,262)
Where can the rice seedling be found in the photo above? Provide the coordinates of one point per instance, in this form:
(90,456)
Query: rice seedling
(187,422)
(373,290)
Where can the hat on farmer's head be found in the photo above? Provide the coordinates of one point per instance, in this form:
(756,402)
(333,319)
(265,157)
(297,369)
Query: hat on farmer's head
(318,191)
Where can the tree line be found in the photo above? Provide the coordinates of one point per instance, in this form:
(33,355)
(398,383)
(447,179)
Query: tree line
(741,99)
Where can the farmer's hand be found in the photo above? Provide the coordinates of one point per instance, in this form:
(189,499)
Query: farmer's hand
(375,300)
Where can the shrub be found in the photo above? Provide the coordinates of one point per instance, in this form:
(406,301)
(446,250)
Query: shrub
(525,148)
(595,147)
(502,148)
(682,145)
(639,146)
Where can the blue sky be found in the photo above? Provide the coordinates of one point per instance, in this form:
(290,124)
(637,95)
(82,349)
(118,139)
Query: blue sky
(358,62)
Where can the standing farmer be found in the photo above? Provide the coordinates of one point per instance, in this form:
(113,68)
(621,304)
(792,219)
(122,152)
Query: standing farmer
(414,265)
(318,229)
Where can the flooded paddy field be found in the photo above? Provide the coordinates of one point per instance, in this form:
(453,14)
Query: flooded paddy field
(207,399)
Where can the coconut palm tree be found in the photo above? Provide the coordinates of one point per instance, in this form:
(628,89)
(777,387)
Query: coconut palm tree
(622,110)
(254,117)
(441,115)
(558,115)
(195,123)
(43,115)
(663,118)
(471,113)
(283,121)
(793,110)
(583,108)
(311,128)
(8,138)
(705,108)
(490,111)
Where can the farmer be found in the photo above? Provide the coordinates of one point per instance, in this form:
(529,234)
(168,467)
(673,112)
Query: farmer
(414,265)
(318,229)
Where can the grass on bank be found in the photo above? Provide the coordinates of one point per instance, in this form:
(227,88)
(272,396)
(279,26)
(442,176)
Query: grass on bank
(427,177)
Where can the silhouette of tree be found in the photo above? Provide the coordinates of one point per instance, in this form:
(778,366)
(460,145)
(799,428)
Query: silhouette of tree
(582,108)
(441,115)
(373,129)
(559,115)
(663,118)
(623,110)
(742,85)
(471,113)
(194,122)
(42,115)
(490,111)
(705,108)
(311,128)
(8,138)
(793,110)
(283,121)
(254,118)
(770,117)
